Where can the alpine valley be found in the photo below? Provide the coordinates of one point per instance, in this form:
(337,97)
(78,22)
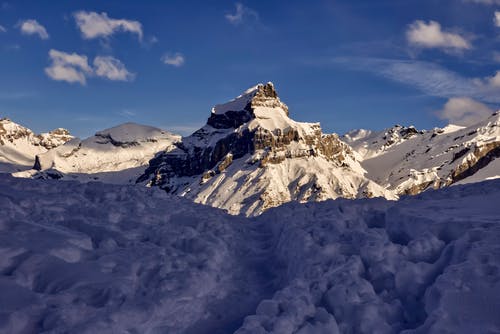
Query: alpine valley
(251,156)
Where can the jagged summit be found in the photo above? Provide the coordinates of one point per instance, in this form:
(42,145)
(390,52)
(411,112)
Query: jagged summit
(408,161)
(251,156)
(260,101)
(19,145)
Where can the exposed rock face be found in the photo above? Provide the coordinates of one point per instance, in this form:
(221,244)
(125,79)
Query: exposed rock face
(255,133)
(54,138)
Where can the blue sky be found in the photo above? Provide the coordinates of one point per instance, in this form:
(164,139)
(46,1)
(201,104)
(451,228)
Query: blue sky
(87,65)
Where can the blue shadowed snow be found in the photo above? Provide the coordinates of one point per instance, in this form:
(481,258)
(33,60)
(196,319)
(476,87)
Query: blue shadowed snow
(96,258)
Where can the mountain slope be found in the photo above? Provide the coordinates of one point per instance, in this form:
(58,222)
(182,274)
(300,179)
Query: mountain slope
(116,155)
(409,161)
(20,145)
(251,156)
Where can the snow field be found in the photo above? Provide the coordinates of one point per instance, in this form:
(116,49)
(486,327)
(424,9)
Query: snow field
(96,258)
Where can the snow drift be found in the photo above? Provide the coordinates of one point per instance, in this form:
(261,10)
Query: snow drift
(92,257)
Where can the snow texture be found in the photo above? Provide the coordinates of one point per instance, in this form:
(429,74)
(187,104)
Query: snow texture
(97,258)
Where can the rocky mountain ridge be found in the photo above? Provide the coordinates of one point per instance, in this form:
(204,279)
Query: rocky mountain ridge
(251,156)
(19,145)
(409,164)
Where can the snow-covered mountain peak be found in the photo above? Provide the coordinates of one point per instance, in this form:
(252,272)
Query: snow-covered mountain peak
(132,134)
(115,155)
(251,156)
(409,161)
(260,102)
(369,143)
(19,145)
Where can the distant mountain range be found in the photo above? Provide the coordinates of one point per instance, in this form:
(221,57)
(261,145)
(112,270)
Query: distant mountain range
(251,156)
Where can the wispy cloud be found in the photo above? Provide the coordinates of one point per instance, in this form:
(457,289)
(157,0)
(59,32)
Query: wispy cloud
(430,78)
(431,35)
(490,82)
(68,67)
(127,113)
(183,129)
(12,47)
(32,27)
(464,111)
(496,19)
(111,69)
(2,29)
(173,59)
(94,25)
(485,2)
(17,95)
(241,14)
(496,56)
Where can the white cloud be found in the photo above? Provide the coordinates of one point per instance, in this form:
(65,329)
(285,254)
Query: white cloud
(75,68)
(176,59)
(2,29)
(95,25)
(464,111)
(242,12)
(112,69)
(430,35)
(497,19)
(32,27)
(68,67)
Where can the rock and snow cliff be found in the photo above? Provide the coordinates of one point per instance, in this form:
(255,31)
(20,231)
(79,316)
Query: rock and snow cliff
(251,156)
(20,145)
(116,155)
(408,161)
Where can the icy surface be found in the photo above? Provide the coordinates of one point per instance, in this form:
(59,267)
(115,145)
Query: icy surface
(238,103)
(96,258)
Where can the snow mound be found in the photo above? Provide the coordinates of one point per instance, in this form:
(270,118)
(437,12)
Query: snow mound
(128,133)
(93,258)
